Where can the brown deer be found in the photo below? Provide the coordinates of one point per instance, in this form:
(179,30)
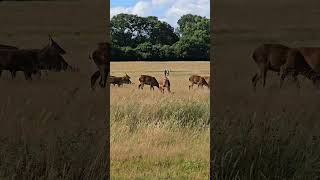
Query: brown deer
(164,83)
(99,57)
(268,57)
(304,61)
(148,80)
(120,80)
(199,80)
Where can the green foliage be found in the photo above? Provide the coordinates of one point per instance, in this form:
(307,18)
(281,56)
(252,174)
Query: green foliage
(141,38)
(132,30)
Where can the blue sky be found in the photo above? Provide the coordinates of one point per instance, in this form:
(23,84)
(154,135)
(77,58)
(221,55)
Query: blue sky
(166,10)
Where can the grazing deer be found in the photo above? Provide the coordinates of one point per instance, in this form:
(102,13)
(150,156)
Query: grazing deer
(268,57)
(120,80)
(304,61)
(199,80)
(148,80)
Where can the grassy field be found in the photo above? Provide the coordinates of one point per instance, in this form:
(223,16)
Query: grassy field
(273,133)
(159,136)
(53,128)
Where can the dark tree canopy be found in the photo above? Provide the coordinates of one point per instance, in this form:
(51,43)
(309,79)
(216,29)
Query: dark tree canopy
(148,38)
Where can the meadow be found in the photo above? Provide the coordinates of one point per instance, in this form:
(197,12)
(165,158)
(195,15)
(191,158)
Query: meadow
(272,133)
(53,128)
(155,135)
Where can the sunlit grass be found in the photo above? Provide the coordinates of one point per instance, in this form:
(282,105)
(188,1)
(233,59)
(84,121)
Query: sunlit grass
(155,135)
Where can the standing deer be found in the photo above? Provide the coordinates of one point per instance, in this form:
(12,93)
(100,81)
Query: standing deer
(164,82)
(99,57)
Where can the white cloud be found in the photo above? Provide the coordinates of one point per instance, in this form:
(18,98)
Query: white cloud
(142,8)
(182,7)
(159,2)
(163,19)
(118,10)
(170,11)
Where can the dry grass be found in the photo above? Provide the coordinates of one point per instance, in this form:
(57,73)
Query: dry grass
(155,135)
(52,128)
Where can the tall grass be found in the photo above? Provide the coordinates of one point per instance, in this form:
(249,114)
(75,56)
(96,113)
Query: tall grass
(155,135)
(46,136)
(167,112)
(272,146)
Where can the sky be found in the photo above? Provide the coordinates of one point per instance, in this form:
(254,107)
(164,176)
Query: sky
(166,10)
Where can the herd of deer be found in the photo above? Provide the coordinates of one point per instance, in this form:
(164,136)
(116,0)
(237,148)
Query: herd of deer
(279,58)
(100,56)
(33,61)
(164,82)
(286,62)
(50,58)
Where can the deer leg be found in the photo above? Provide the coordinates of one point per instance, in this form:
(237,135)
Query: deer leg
(38,73)
(295,79)
(94,78)
(284,73)
(103,74)
(100,81)
(0,73)
(264,76)
(191,86)
(254,80)
(46,73)
(13,74)
(27,75)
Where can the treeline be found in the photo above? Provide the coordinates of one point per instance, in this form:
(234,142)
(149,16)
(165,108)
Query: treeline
(137,38)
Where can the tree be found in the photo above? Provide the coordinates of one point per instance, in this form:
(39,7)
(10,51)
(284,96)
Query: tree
(132,30)
(144,50)
(127,30)
(160,32)
(194,37)
(149,38)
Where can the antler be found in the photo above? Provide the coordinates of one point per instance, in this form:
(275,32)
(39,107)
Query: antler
(50,39)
